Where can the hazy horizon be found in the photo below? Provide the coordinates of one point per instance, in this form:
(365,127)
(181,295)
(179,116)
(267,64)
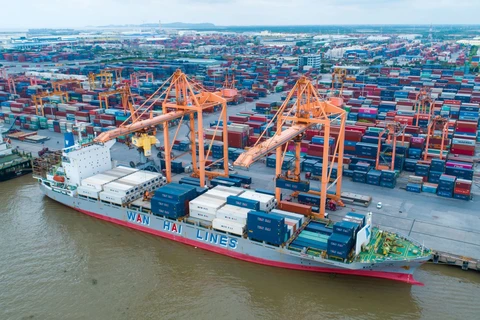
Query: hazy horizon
(25,14)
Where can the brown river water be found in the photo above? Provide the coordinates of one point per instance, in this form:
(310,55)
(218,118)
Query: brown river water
(56,263)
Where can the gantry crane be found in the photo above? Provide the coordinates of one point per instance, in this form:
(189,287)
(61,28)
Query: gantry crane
(136,76)
(229,91)
(125,93)
(58,85)
(309,110)
(116,73)
(10,81)
(436,123)
(392,130)
(424,105)
(106,79)
(38,100)
(338,78)
(187,102)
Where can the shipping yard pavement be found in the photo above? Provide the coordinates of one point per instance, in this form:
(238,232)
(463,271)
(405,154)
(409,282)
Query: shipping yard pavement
(448,225)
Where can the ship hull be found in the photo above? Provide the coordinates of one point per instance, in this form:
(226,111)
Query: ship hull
(15,171)
(234,246)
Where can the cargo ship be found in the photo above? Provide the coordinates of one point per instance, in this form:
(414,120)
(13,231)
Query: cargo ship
(232,221)
(13,163)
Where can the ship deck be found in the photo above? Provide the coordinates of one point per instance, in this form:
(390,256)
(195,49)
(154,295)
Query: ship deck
(400,249)
(11,160)
(8,158)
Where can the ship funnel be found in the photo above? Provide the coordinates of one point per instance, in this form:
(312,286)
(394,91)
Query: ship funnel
(69,140)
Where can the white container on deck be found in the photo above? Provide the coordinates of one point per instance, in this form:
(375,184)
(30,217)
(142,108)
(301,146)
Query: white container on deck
(202,215)
(120,171)
(228,226)
(97,181)
(87,192)
(267,202)
(234,191)
(220,193)
(112,198)
(207,204)
(233,213)
(121,188)
(142,178)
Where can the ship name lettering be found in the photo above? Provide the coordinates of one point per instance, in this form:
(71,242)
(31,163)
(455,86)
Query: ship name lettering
(217,239)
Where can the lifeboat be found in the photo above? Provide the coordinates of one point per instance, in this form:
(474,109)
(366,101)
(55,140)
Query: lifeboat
(59,178)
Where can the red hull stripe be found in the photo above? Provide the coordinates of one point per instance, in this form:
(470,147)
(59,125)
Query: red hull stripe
(408,278)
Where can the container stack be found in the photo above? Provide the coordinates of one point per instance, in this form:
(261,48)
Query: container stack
(205,207)
(462,189)
(388,179)
(91,187)
(267,227)
(172,200)
(293,220)
(266,202)
(446,186)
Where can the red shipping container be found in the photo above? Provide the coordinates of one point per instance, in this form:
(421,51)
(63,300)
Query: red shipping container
(458,150)
(235,139)
(461,191)
(404,120)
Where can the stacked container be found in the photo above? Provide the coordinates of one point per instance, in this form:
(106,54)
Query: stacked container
(270,228)
(172,200)
(446,185)
(266,202)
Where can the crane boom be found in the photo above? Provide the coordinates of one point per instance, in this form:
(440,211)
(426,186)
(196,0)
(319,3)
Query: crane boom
(136,126)
(253,154)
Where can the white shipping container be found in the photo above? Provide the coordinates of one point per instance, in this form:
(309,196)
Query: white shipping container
(228,226)
(113,198)
(267,202)
(123,170)
(87,97)
(235,191)
(233,213)
(206,204)
(121,188)
(466,142)
(202,215)
(142,178)
(235,128)
(217,132)
(87,192)
(97,182)
(219,194)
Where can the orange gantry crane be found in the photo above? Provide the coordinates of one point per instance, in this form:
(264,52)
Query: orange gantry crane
(437,127)
(106,79)
(116,73)
(339,75)
(187,102)
(309,110)
(38,100)
(392,130)
(58,85)
(124,92)
(10,81)
(424,105)
(136,76)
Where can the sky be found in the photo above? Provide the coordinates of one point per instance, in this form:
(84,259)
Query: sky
(81,13)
